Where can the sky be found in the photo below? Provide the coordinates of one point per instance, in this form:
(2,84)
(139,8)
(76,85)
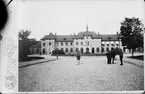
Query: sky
(65,17)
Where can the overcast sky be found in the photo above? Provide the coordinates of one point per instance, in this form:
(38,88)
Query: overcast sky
(71,16)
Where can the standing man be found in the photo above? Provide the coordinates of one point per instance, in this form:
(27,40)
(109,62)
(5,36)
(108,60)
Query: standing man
(113,53)
(121,56)
(78,57)
(108,54)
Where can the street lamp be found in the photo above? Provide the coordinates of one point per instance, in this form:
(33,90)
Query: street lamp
(57,50)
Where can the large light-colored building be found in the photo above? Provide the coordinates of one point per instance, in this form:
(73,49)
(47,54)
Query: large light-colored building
(85,42)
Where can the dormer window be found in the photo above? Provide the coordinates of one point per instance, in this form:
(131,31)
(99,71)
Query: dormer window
(64,38)
(109,37)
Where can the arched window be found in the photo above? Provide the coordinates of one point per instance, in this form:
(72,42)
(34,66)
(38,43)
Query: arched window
(97,49)
(87,49)
(92,50)
(107,49)
(102,49)
(71,49)
(66,50)
(82,51)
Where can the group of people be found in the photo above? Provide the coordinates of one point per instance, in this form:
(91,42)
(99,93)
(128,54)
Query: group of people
(110,56)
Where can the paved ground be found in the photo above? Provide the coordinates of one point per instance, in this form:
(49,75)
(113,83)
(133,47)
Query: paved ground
(92,75)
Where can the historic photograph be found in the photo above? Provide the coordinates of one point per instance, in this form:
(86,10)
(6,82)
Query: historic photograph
(81,45)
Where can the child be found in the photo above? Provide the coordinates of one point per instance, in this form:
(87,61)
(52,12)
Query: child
(78,57)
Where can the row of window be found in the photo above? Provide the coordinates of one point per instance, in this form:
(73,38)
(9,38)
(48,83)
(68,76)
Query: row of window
(103,49)
(48,43)
(77,49)
(87,43)
(110,44)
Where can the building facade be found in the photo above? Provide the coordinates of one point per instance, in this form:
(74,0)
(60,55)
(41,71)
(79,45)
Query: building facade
(85,42)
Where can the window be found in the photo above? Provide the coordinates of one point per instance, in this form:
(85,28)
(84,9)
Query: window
(61,49)
(92,50)
(107,49)
(97,49)
(82,51)
(77,49)
(43,51)
(107,44)
(112,44)
(66,43)
(103,45)
(109,37)
(81,43)
(71,50)
(66,50)
(112,48)
(61,43)
(43,44)
(49,43)
(117,44)
(87,37)
(71,43)
(76,43)
(87,43)
(102,49)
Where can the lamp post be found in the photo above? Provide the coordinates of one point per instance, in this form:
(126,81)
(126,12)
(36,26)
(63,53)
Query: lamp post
(56,50)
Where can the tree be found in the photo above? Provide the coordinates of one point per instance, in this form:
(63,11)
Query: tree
(24,44)
(23,34)
(132,33)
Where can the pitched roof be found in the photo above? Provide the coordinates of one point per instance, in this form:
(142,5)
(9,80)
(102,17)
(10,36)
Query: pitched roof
(64,38)
(109,37)
(50,36)
(88,33)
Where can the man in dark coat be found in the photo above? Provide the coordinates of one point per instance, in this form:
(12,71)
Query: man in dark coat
(121,56)
(108,54)
(113,53)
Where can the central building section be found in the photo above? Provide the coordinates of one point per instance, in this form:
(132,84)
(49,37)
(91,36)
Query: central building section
(85,42)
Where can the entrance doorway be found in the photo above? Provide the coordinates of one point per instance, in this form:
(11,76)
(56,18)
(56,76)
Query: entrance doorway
(87,50)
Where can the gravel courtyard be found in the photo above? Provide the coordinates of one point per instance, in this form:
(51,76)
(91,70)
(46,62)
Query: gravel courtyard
(93,74)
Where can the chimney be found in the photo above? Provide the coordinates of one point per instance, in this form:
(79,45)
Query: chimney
(116,33)
(74,34)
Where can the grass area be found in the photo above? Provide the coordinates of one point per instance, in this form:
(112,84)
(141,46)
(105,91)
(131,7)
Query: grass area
(139,57)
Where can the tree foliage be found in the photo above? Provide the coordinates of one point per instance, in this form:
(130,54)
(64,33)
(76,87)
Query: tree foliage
(132,32)
(23,34)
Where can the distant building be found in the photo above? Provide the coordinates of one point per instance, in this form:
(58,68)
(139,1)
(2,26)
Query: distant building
(85,41)
(36,48)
